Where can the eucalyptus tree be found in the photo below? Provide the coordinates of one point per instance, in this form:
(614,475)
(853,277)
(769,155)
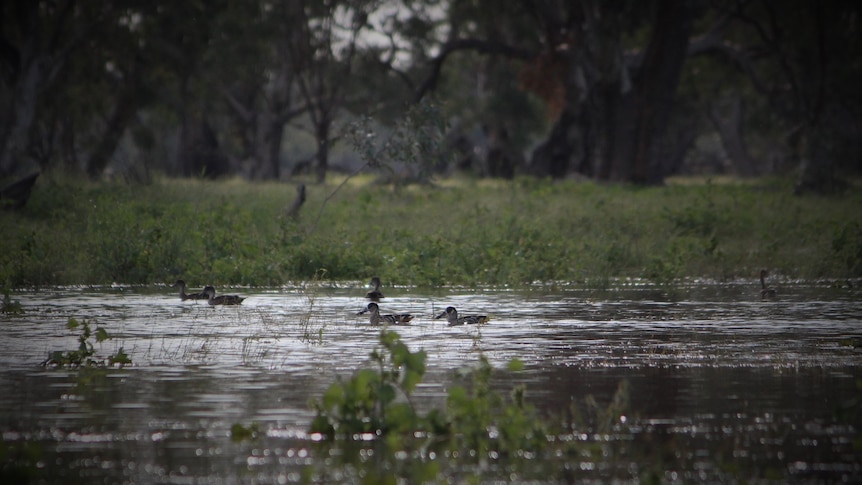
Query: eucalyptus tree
(256,82)
(610,75)
(607,72)
(39,41)
(801,60)
(323,52)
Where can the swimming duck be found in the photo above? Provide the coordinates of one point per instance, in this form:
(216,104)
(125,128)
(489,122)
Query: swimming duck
(183,296)
(452,316)
(766,293)
(376,318)
(212,299)
(375,294)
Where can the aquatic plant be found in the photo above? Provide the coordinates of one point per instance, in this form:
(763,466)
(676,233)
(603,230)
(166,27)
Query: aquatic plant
(377,403)
(10,306)
(312,331)
(21,461)
(478,432)
(366,403)
(85,354)
(238,432)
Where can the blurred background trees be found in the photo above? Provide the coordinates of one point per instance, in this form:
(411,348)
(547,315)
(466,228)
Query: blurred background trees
(618,90)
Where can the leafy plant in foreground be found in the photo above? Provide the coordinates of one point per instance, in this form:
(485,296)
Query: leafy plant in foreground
(366,402)
(479,434)
(85,355)
(476,418)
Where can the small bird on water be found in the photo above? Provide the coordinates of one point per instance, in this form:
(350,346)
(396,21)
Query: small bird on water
(374,294)
(192,296)
(451,315)
(212,299)
(376,318)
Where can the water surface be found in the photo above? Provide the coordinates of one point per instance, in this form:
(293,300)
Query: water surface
(721,386)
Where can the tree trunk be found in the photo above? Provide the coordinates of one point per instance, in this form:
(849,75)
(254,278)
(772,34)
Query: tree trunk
(551,158)
(639,118)
(125,108)
(18,117)
(322,134)
(267,147)
(730,130)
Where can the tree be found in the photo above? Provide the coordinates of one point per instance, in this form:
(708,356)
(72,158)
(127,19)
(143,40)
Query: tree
(322,51)
(259,88)
(572,53)
(37,38)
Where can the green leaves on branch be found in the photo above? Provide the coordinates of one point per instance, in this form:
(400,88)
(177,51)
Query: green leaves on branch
(366,402)
(417,139)
(376,403)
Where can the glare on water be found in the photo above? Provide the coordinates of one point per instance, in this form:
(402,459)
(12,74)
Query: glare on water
(772,387)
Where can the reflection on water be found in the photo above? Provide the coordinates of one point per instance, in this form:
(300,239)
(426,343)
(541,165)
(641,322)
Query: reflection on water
(722,386)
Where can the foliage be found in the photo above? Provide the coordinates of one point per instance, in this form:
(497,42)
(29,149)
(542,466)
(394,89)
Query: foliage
(365,404)
(21,462)
(479,431)
(378,403)
(462,231)
(238,432)
(121,87)
(85,355)
(417,139)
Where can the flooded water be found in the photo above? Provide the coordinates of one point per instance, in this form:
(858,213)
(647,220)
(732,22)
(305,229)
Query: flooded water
(720,386)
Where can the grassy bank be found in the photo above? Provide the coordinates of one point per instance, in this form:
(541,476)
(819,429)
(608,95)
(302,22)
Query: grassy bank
(462,231)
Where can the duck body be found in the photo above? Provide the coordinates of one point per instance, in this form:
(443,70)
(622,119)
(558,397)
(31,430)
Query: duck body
(376,318)
(212,299)
(374,294)
(184,296)
(452,317)
(766,292)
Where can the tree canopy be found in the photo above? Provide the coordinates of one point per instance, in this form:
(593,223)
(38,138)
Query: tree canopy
(618,90)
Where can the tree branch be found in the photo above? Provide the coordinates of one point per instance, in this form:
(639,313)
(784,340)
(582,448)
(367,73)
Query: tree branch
(480,46)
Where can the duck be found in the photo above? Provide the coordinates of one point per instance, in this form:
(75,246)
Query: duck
(184,296)
(212,299)
(451,315)
(766,293)
(376,318)
(374,295)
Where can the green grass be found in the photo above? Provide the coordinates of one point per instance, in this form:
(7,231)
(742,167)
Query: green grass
(461,231)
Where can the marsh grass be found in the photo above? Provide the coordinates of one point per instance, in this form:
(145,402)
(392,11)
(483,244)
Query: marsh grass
(461,231)
(310,324)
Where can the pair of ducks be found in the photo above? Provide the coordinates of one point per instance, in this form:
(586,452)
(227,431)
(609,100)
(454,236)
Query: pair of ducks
(451,314)
(207,294)
(376,318)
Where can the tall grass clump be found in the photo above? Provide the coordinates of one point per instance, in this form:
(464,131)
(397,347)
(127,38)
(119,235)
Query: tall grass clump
(459,230)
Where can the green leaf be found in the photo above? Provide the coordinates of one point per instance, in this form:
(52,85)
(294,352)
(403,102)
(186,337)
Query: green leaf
(516,365)
(386,394)
(333,396)
(101,335)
